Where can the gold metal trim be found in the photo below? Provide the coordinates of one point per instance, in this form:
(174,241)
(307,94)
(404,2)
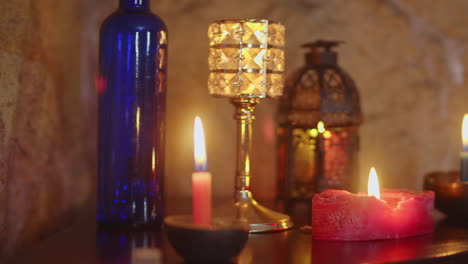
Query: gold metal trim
(248,45)
(237,96)
(264,21)
(246,71)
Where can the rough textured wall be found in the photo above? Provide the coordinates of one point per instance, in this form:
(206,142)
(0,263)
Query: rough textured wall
(44,174)
(407,57)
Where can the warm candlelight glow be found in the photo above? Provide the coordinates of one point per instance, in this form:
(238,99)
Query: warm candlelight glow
(313,132)
(321,127)
(137,121)
(137,126)
(153,160)
(373,187)
(465,132)
(199,145)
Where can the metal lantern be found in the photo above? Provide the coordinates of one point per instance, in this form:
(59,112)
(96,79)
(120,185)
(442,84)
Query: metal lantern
(318,122)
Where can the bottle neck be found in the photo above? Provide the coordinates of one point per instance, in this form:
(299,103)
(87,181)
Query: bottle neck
(133,5)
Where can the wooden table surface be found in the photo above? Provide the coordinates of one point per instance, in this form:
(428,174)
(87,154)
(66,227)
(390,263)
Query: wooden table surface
(80,243)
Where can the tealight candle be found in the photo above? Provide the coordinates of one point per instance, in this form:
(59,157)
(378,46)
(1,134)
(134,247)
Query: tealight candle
(201,179)
(341,215)
(464,153)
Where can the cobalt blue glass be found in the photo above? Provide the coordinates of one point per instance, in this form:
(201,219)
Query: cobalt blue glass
(132,91)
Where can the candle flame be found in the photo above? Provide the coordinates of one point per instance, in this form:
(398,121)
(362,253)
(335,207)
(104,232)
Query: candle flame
(199,145)
(465,132)
(373,187)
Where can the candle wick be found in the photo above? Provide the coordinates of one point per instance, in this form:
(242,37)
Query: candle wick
(200,167)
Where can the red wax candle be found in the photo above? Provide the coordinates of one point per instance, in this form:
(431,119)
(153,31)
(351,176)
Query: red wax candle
(201,179)
(341,215)
(201,198)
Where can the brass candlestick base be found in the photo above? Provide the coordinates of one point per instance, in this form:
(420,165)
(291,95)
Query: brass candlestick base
(259,218)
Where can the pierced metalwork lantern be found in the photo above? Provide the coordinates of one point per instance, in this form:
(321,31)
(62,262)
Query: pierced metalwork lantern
(318,121)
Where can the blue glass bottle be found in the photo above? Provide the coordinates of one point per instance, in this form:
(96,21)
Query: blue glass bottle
(132,92)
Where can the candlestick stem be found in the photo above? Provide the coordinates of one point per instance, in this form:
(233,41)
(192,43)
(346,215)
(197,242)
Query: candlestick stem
(244,116)
(259,218)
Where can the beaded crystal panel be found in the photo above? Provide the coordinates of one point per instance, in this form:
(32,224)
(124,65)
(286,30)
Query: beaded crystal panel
(246,58)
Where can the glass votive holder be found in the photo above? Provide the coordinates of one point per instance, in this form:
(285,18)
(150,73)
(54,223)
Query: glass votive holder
(451,194)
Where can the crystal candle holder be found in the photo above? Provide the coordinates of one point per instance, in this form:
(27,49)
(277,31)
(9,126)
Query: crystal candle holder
(246,58)
(246,62)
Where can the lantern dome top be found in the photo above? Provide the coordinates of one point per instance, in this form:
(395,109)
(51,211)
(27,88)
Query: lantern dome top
(320,91)
(321,52)
(327,44)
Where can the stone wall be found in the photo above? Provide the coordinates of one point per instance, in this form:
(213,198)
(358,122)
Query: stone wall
(406,56)
(44,169)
